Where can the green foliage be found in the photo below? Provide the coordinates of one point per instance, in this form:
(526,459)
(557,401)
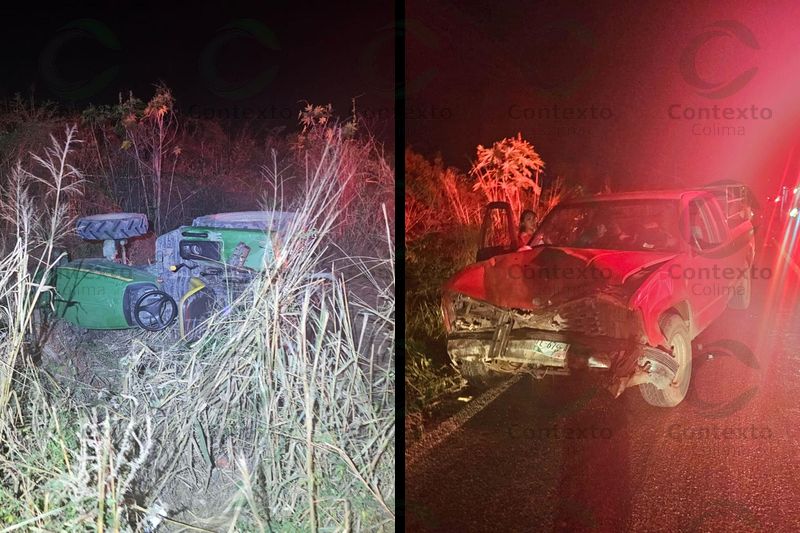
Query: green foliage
(430,261)
(424,329)
(125,113)
(422,177)
(62,472)
(437,197)
(425,382)
(441,238)
(435,257)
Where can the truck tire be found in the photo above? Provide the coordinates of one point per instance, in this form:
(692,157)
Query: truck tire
(678,340)
(112,226)
(741,297)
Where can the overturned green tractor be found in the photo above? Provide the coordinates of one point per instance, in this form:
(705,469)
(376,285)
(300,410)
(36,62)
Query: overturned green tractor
(197,269)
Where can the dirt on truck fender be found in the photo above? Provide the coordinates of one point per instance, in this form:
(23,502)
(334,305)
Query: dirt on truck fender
(617,284)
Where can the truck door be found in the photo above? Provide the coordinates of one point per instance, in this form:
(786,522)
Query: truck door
(736,251)
(498,232)
(706,283)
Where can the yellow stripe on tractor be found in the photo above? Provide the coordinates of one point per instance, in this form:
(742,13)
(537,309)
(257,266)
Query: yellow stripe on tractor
(196,285)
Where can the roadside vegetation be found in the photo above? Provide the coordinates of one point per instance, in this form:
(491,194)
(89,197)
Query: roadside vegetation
(281,417)
(442,220)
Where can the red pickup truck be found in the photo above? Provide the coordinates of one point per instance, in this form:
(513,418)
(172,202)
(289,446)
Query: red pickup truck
(617,283)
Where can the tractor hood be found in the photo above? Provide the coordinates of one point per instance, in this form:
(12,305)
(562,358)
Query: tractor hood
(273,221)
(103,268)
(547,275)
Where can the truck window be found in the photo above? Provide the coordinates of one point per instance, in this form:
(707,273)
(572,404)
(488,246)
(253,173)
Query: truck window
(717,220)
(613,225)
(702,231)
(735,203)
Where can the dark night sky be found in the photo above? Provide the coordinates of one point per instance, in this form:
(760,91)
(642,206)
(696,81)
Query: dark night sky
(220,59)
(478,72)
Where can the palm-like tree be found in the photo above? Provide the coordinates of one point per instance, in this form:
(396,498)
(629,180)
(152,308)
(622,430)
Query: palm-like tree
(507,168)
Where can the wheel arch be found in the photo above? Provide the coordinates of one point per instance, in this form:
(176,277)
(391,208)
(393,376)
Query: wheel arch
(654,323)
(683,310)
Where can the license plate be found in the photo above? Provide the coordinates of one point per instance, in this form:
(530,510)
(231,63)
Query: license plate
(552,349)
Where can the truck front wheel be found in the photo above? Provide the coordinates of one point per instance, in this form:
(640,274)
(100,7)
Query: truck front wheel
(678,340)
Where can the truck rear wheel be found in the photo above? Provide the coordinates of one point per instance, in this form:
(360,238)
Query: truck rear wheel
(678,340)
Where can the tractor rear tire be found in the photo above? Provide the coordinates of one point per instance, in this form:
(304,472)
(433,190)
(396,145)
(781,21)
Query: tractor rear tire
(112,226)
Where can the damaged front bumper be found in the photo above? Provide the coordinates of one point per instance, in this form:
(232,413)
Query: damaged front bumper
(546,349)
(624,363)
(499,338)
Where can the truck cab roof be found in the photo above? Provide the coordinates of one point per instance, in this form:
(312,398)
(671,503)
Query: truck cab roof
(661,194)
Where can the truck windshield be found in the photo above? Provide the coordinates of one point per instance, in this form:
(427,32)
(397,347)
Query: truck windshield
(633,225)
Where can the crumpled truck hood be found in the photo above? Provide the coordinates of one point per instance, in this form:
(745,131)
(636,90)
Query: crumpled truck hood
(549,275)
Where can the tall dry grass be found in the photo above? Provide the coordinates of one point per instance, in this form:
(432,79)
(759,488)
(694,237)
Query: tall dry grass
(33,229)
(280,416)
(61,464)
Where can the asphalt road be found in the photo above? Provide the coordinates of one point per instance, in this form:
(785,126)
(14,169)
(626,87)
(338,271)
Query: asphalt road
(562,455)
